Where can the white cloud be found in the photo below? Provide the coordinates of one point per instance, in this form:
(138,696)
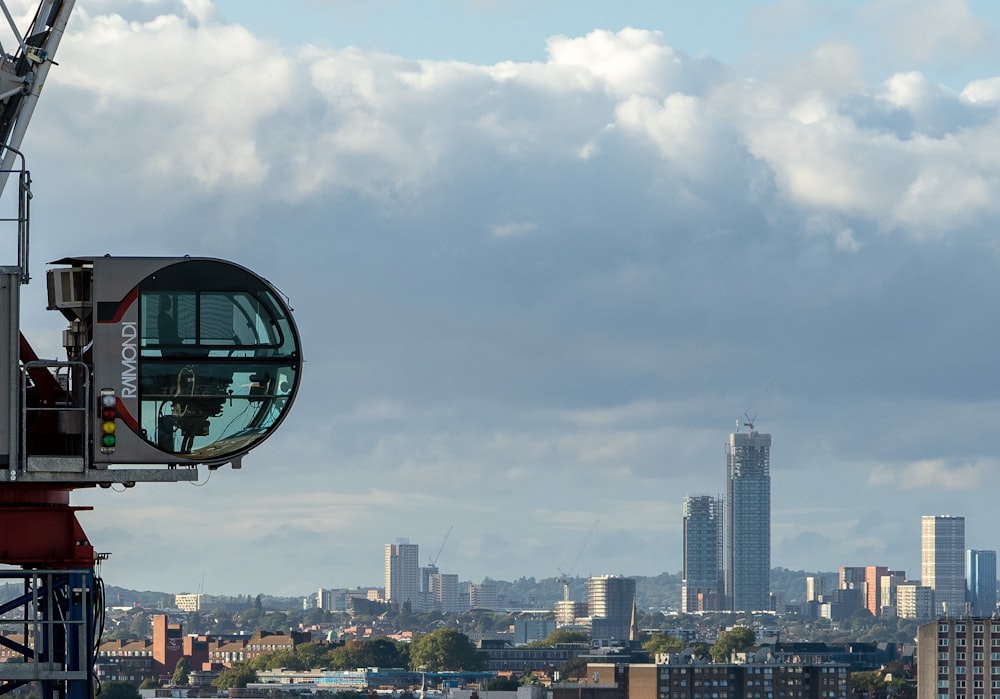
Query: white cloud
(515,279)
(933,474)
(920,30)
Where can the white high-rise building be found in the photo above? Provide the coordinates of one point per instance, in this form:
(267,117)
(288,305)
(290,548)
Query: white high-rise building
(402,572)
(942,561)
(746,543)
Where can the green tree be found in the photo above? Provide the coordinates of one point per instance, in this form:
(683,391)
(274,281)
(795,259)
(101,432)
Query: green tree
(701,650)
(737,639)
(866,681)
(275,659)
(313,656)
(561,636)
(573,669)
(387,653)
(239,675)
(663,643)
(352,655)
(503,684)
(118,690)
(181,672)
(149,683)
(445,649)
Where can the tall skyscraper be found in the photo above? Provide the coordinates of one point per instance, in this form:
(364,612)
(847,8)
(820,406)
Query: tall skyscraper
(402,572)
(981,581)
(942,561)
(611,605)
(746,544)
(702,571)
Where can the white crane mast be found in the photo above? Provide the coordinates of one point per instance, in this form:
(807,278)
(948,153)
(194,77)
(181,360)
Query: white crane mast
(24,67)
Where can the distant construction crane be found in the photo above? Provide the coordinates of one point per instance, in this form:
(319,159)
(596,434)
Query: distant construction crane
(432,563)
(563,576)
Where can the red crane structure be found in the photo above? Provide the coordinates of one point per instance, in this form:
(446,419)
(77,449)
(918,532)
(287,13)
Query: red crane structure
(171,364)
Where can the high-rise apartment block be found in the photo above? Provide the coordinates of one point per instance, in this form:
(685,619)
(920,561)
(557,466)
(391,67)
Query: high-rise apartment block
(746,546)
(483,595)
(402,572)
(981,581)
(702,570)
(815,587)
(914,601)
(957,657)
(942,561)
(444,592)
(611,605)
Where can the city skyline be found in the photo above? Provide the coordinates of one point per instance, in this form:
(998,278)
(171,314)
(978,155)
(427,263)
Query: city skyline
(540,257)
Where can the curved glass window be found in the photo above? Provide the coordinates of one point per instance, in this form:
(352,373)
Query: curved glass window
(219,359)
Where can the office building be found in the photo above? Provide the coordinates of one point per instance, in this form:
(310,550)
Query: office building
(702,569)
(746,546)
(942,561)
(873,588)
(981,581)
(611,605)
(402,572)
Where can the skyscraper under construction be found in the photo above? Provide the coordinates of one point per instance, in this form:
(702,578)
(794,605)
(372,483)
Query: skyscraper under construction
(746,540)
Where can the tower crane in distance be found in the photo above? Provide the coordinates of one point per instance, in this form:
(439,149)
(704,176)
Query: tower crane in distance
(432,562)
(565,576)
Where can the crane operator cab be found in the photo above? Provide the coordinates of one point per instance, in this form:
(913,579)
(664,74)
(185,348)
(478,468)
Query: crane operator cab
(171,361)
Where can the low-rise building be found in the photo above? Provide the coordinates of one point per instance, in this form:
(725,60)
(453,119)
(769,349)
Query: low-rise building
(685,677)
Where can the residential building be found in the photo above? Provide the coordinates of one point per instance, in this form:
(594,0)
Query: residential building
(746,545)
(815,587)
(126,661)
(684,677)
(611,606)
(958,657)
(981,581)
(889,584)
(942,562)
(702,565)
(443,589)
(402,572)
(914,601)
(190,602)
(568,611)
(483,595)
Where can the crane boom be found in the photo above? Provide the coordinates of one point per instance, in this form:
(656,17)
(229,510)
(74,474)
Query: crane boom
(23,73)
(437,555)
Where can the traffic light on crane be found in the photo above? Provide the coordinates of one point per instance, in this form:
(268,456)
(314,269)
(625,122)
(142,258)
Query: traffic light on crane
(109,414)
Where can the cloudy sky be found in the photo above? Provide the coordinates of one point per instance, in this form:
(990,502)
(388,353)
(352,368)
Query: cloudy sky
(543,255)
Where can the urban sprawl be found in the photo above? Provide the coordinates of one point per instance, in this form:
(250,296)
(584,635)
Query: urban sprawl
(867,630)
